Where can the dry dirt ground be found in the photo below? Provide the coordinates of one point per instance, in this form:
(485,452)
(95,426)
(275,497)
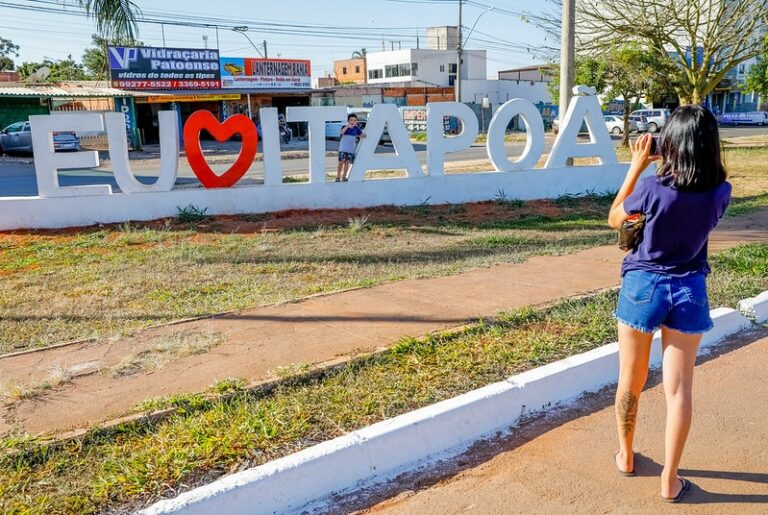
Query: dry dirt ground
(90,382)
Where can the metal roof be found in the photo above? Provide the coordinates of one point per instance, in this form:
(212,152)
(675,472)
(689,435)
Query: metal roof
(95,89)
(64,90)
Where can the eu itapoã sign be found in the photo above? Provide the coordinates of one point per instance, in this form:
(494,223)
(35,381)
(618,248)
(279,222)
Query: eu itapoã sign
(163,68)
(514,177)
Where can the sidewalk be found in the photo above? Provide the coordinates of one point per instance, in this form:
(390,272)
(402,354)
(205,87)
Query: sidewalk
(320,330)
(568,469)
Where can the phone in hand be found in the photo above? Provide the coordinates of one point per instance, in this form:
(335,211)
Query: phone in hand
(655,146)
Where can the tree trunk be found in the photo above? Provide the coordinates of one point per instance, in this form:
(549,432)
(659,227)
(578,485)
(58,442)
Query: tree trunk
(696,96)
(625,133)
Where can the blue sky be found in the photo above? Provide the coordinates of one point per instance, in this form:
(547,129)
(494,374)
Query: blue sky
(503,34)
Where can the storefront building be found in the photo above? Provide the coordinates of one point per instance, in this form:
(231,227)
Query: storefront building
(188,80)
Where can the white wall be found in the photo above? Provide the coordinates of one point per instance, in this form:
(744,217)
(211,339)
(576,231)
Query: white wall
(429,63)
(499,91)
(379,60)
(474,65)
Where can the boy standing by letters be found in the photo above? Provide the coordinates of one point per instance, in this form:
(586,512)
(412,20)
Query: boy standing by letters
(347,147)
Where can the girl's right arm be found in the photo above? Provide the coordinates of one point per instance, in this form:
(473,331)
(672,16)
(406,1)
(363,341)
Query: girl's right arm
(641,158)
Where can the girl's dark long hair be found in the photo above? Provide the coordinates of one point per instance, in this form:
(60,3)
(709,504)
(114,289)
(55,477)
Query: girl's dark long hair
(690,147)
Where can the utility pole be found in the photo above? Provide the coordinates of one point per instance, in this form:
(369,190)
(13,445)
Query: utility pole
(567,56)
(265,49)
(458,57)
(567,60)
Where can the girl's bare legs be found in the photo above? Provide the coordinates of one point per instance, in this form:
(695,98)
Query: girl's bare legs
(338,170)
(679,359)
(634,352)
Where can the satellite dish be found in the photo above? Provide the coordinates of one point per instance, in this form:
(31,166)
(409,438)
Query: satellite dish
(40,74)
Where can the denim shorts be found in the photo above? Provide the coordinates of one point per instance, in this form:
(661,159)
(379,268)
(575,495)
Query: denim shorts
(649,300)
(347,156)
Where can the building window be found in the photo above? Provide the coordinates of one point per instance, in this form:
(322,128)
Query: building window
(357,69)
(442,67)
(405,70)
(391,70)
(414,69)
(451,67)
(343,70)
(375,74)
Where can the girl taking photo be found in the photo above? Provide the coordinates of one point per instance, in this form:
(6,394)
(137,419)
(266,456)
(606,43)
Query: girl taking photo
(664,276)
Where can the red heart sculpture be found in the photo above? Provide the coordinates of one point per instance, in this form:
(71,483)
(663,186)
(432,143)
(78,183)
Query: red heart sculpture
(238,123)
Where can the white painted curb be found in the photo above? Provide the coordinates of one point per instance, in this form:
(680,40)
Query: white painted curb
(756,308)
(413,440)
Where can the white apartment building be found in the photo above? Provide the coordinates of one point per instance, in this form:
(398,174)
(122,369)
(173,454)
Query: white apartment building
(424,67)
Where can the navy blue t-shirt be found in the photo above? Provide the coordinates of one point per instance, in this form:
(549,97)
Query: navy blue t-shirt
(677,226)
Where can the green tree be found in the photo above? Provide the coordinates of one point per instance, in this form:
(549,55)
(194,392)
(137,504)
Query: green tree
(114,18)
(704,38)
(95,56)
(359,54)
(59,71)
(7,49)
(629,73)
(757,77)
(589,71)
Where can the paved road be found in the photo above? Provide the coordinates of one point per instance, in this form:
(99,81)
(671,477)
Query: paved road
(17,174)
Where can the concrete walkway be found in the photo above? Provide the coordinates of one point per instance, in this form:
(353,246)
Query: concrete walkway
(569,469)
(316,331)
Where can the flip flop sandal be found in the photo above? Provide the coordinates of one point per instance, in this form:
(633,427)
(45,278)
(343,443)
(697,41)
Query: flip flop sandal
(631,473)
(679,497)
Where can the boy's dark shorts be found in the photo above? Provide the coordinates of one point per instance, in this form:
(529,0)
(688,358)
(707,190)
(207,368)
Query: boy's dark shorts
(347,156)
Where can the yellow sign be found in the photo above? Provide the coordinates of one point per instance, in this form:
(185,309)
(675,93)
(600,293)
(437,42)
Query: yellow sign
(161,99)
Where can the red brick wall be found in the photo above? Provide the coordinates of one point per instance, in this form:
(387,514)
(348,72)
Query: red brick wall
(9,76)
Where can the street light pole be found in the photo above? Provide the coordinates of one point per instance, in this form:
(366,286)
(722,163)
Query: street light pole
(458,57)
(460,46)
(242,30)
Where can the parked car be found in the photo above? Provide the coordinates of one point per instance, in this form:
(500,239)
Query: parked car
(556,127)
(17,137)
(333,129)
(641,122)
(657,118)
(615,124)
(748,118)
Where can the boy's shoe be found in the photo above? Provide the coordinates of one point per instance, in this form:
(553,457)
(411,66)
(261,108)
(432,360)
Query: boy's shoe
(345,179)
(338,180)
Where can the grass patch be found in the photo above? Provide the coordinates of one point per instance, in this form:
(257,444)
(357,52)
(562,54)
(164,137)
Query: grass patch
(13,392)
(166,349)
(191,214)
(213,435)
(98,282)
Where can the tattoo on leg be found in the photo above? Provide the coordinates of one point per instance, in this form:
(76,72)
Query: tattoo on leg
(627,407)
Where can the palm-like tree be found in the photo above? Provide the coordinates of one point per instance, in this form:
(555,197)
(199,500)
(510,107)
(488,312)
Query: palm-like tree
(359,54)
(115,19)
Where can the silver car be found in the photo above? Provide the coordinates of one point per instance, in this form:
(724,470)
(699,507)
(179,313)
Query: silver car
(17,137)
(641,122)
(657,118)
(615,124)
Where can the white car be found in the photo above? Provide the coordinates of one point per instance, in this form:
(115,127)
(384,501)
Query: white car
(615,124)
(657,118)
(641,122)
(333,129)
